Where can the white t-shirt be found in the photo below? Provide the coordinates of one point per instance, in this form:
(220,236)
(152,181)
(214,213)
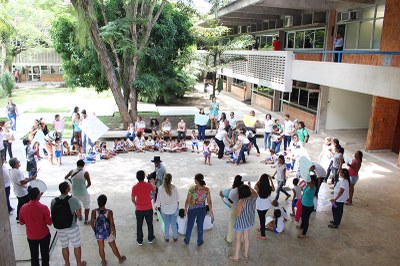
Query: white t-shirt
(268,125)
(182,225)
(221,126)
(280,225)
(208,224)
(263,204)
(336,160)
(168,203)
(16,175)
(296,148)
(297,189)
(243,139)
(288,127)
(279,172)
(341,184)
(138,142)
(140,125)
(220,135)
(232,122)
(284,214)
(6,176)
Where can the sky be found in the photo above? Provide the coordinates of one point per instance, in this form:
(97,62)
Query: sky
(202,6)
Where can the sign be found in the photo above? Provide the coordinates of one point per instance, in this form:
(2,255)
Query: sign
(305,165)
(93,127)
(201,120)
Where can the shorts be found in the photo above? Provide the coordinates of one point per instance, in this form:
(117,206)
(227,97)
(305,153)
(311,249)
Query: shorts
(195,143)
(84,199)
(237,230)
(276,230)
(57,154)
(294,203)
(67,235)
(109,239)
(353,180)
(207,154)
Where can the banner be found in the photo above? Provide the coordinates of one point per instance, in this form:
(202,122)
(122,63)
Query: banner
(305,165)
(319,170)
(201,120)
(93,127)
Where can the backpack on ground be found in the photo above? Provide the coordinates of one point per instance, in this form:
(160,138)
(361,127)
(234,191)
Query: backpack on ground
(61,214)
(102,225)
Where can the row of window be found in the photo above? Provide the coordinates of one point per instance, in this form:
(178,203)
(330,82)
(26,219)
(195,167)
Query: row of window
(302,98)
(305,39)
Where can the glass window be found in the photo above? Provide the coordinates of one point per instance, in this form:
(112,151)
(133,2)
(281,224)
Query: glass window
(319,38)
(313,101)
(290,42)
(285,96)
(294,96)
(303,100)
(380,11)
(376,43)
(309,39)
(351,35)
(263,41)
(299,40)
(365,34)
(368,12)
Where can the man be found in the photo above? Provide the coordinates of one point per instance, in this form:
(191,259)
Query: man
(159,173)
(70,233)
(232,123)
(36,217)
(7,186)
(276,44)
(141,197)
(338,44)
(85,138)
(20,184)
(80,180)
(288,131)
(31,165)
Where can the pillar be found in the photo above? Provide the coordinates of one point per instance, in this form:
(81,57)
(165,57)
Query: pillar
(323,102)
(276,101)
(329,34)
(247,95)
(229,82)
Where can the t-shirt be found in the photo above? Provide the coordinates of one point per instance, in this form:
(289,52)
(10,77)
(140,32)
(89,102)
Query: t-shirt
(17,175)
(182,225)
(74,205)
(59,125)
(354,167)
(280,172)
(243,139)
(284,213)
(297,189)
(11,109)
(280,225)
(234,196)
(141,192)
(220,135)
(302,133)
(36,216)
(336,159)
(263,204)
(232,122)
(199,195)
(275,136)
(288,129)
(308,196)
(138,142)
(140,126)
(6,177)
(276,44)
(342,184)
(208,223)
(268,125)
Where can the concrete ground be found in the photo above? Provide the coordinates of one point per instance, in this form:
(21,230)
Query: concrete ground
(368,234)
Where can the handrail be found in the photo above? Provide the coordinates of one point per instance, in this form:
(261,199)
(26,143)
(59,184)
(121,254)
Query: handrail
(343,52)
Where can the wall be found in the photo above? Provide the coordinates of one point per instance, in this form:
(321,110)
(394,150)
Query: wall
(309,57)
(52,77)
(342,112)
(261,101)
(237,92)
(308,118)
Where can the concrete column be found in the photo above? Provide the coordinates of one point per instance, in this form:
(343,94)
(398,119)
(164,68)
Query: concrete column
(7,256)
(281,35)
(322,108)
(229,82)
(329,34)
(247,96)
(276,99)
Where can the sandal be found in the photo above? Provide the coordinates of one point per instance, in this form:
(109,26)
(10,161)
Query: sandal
(298,227)
(233,258)
(261,237)
(333,226)
(244,255)
(123,258)
(301,236)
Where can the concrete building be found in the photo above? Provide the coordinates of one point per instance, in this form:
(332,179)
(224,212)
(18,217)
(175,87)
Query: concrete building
(361,92)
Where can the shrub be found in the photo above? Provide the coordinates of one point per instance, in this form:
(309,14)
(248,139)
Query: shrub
(7,83)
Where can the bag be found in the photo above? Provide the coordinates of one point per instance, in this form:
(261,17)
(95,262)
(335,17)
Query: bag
(102,225)
(61,213)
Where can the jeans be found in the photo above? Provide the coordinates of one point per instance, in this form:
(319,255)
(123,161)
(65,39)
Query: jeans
(13,119)
(221,148)
(267,140)
(130,136)
(241,153)
(181,135)
(140,216)
(86,139)
(253,140)
(197,214)
(286,141)
(328,171)
(21,201)
(337,213)
(335,175)
(7,147)
(202,132)
(170,220)
(305,218)
(261,216)
(8,198)
(279,189)
(44,250)
(72,138)
(276,146)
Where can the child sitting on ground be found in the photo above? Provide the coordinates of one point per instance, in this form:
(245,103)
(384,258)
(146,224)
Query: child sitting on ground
(271,158)
(296,194)
(284,214)
(208,219)
(90,158)
(129,146)
(277,224)
(105,153)
(150,143)
(178,146)
(207,152)
(58,151)
(195,141)
(118,148)
(182,222)
(102,222)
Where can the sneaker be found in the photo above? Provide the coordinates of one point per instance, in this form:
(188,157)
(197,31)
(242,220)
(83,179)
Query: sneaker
(175,239)
(152,241)
(139,243)
(261,237)
(199,244)
(167,240)
(186,242)
(292,214)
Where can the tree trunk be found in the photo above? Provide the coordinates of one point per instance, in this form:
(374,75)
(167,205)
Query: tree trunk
(133,95)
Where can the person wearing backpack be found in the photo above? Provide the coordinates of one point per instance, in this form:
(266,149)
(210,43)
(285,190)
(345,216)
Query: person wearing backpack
(65,210)
(102,222)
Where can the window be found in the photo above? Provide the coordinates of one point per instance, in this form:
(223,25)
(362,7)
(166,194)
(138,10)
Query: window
(365,34)
(290,41)
(294,95)
(285,96)
(319,38)
(376,42)
(264,91)
(351,36)
(380,11)
(309,39)
(368,12)
(302,98)
(299,41)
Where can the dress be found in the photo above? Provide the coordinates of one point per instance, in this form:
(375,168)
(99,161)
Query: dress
(245,221)
(214,107)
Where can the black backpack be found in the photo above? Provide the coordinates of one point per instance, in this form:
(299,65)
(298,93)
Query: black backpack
(61,213)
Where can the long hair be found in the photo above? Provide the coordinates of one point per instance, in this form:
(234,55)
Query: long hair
(237,182)
(167,184)
(360,155)
(200,178)
(264,187)
(346,175)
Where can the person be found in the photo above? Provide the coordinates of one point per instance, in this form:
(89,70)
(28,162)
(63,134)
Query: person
(50,142)
(168,201)
(195,141)
(140,125)
(139,142)
(276,44)
(222,122)
(77,131)
(244,143)
(181,129)
(7,185)
(102,222)
(296,150)
(181,222)
(36,217)
(244,222)
(302,133)
(214,107)
(337,163)
(264,187)
(207,152)
(74,113)
(166,129)
(267,131)
(296,194)
(195,207)
(201,129)
(288,131)
(17,76)
(130,132)
(58,124)
(325,155)
(251,135)
(142,200)
(276,139)
(8,138)
(80,180)
(232,123)
(154,125)
(338,46)
(20,184)
(307,201)
(31,164)
(69,231)
(2,148)
(340,195)
(278,223)
(208,220)
(58,151)
(331,150)
(354,168)
(159,173)
(12,113)
(85,138)
(219,139)
(281,177)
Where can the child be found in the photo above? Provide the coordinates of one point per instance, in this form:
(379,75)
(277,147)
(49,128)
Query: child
(271,159)
(207,152)
(117,147)
(182,222)
(58,151)
(281,177)
(90,158)
(195,141)
(277,225)
(36,148)
(208,220)
(284,214)
(105,154)
(102,222)
(296,194)
(150,144)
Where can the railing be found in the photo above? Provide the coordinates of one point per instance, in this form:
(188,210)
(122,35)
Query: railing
(340,53)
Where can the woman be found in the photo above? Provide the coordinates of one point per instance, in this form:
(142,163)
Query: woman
(12,112)
(168,200)
(307,202)
(154,124)
(267,131)
(325,155)
(77,131)
(166,129)
(264,187)
(244,143)
(244,222)
(140,125)
(354,168)
(302,132)
(337,162)
(219,139)
(73,116)
(195,208)
(181,129)
(233,198)
(214,107)
(8,138)
(340,194)
(251,135)
(201,129)
(223,122)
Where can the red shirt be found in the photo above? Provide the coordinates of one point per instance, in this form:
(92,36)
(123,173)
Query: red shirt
(276,44)
(36,216)
(141,192)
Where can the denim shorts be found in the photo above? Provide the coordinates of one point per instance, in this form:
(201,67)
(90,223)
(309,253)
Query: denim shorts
(294,203)
(353,180)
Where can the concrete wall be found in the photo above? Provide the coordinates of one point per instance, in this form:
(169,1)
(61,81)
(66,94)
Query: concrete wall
(237,92)
(261,101)
(347,110)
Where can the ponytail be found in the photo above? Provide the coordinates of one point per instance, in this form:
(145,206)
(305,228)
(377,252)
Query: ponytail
(200,179)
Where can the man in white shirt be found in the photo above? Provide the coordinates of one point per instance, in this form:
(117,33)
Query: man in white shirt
(338,43)
(7,186)
(232,123)
(287,131)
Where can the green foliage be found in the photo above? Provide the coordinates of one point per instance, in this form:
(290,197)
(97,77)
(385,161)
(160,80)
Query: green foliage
(7,83)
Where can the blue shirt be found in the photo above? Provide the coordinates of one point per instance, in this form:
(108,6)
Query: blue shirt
(308,196)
